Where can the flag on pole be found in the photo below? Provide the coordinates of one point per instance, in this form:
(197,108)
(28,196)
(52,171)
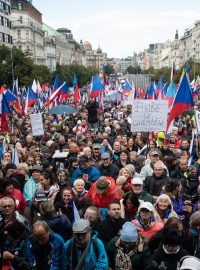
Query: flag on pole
(183,100)
(5,111)
(126,87)
(77,96)
(171,93)
(96,87)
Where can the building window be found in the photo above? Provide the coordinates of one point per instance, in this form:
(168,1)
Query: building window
(20,6)
(19,34)
(1,37)
(27,34)
(20,47)
(21,19)
(6,38)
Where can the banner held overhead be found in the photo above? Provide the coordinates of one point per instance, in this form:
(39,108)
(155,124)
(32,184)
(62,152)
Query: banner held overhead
(149,115)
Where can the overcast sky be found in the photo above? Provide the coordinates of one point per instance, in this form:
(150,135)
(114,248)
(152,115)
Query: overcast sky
(120,27)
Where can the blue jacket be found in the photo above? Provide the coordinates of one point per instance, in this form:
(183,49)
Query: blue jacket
(93,174)
(48,257)
(91,261)
(29,190)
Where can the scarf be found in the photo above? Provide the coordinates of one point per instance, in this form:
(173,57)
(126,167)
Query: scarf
(123,260)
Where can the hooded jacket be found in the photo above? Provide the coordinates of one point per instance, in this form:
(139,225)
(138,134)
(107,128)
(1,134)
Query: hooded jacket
(103,200)
(91,260)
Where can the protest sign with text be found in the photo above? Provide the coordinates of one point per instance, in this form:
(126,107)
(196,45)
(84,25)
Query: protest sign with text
(149,115)
(37,124)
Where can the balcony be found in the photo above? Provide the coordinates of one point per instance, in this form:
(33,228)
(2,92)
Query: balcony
(30,25)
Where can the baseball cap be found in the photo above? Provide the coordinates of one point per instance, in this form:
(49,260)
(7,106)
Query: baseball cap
(105,155)
(137,181)
(36,168)
(146,205)
(96,145)
(40,196)
(101,186)
(81,226)
(154,153)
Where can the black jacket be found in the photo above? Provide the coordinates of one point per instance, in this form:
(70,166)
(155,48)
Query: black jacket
(154,184)
(111,170)
(109,228)
(170,261)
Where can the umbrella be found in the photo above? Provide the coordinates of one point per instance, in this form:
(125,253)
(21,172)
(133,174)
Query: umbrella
(63,109)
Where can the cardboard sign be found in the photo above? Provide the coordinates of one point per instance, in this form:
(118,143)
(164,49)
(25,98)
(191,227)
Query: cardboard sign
(149,115)
(37,124)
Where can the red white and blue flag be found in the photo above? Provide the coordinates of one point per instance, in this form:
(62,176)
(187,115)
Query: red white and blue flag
(96,87)
(183,100)
(5,111)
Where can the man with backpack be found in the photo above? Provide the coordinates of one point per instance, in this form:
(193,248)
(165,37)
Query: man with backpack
(84,250)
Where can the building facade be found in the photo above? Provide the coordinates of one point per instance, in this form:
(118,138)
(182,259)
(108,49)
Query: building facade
(5,24)
(27,29)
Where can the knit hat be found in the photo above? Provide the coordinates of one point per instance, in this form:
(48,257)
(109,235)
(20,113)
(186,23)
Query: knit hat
(190,263)
(129,233)
(120,180)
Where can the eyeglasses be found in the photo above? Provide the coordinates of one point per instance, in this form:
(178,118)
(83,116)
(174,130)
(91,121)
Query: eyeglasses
(7,206)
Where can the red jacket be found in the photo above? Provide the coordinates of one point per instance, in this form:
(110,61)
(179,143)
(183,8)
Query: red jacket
(102,201)
(19,199)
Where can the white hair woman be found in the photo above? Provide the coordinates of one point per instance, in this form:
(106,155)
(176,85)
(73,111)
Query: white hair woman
(79,189)
(164,208)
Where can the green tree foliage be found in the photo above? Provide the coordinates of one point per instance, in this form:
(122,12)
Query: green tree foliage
(41,73)
(133,70)
(26,71)
(109,69)
(83,74)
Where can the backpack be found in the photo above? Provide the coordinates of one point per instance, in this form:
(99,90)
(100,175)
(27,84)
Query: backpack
(95,246)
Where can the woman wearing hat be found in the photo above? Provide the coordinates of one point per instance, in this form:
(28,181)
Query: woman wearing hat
(125,252)
(145,221)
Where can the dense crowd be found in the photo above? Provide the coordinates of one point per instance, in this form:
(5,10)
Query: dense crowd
(91,194)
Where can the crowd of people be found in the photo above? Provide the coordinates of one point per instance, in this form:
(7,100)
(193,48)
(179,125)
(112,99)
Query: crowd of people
(91,194)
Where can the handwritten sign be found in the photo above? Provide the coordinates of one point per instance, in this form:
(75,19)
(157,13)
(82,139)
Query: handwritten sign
(149,115)
(37,124)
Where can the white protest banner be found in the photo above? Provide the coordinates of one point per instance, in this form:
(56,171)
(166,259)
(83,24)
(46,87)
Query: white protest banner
(197,114)
(149,115)
(37,124)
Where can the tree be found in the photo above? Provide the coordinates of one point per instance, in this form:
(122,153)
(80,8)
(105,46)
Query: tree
(41,73)
(83,74)
(109,69)
(133,70)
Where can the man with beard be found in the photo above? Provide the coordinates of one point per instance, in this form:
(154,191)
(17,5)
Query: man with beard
(107,168)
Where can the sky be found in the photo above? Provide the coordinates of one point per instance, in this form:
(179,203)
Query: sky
(120,27)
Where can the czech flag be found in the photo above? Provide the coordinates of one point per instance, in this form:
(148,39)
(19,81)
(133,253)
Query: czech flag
(9,96)
(126,87)
(151,94)
(183,100)
(96,87)
(5,111)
